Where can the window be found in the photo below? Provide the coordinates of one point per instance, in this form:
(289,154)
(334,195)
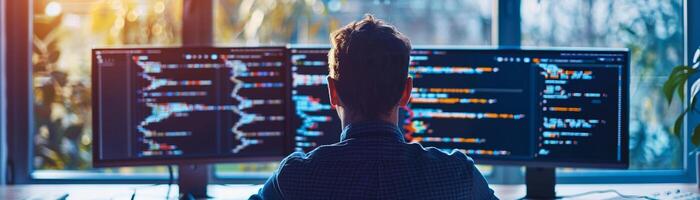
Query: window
(653,31)
(64,32)
(270,22)
(310,21)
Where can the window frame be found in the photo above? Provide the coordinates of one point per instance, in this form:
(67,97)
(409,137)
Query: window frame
(3,103)
(507,20)
(18,114)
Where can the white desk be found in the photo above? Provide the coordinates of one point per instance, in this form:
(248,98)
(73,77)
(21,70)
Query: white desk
(111,191)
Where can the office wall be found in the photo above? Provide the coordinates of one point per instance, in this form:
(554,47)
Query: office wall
(3,95)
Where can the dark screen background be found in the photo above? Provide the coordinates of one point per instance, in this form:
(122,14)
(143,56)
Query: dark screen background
(314,121)
(190,102)
(489,104)
(519,106)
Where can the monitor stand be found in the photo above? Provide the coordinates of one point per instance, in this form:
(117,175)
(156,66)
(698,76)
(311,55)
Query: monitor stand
(192,181)
(540,182)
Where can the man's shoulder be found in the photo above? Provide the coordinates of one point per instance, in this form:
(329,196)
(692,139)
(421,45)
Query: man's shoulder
(410,148)
(410,152)
(320,153)
(301,159)
(435,154)
(294,159)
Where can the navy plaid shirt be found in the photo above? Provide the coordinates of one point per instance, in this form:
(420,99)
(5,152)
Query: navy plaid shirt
(373,161)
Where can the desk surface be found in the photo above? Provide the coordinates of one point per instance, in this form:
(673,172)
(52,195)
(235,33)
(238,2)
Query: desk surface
(111,191)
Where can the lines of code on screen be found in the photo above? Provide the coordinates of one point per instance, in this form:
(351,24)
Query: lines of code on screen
(191,102)
(522,106)
(511,105)
(468,103)
(561,106)
(315,121)
(580,107)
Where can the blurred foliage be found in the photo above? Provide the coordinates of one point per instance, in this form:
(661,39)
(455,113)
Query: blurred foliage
(269,22)
(64,31)
(653,31)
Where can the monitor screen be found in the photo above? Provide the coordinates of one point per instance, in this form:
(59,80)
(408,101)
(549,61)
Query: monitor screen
(314,121)
(546,107)
(189,104)
(559,107)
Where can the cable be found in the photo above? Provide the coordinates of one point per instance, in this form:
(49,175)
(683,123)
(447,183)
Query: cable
(133,194)
(608,191)
(170,181)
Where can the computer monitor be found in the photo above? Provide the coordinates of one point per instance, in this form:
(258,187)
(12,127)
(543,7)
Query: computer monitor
(535,107)
(542,108)
(156,106)
(546,107)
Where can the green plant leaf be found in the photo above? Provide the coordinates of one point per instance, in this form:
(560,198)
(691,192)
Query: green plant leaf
(676,82)
(678,124)
(671,83)
(683,80)
(669,87)
(695,138)
(680,88)
(693,103)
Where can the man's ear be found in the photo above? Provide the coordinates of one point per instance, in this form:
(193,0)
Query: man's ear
(332,92)
(406,97)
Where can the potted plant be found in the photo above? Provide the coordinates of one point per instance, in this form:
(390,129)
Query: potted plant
(676,84)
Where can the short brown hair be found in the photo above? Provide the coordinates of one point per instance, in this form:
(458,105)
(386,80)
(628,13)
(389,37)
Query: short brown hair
(369,62)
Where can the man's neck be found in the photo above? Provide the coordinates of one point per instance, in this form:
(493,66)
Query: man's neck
(391,117)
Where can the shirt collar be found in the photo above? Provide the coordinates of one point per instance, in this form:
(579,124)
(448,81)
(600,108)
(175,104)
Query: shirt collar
(372,129)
